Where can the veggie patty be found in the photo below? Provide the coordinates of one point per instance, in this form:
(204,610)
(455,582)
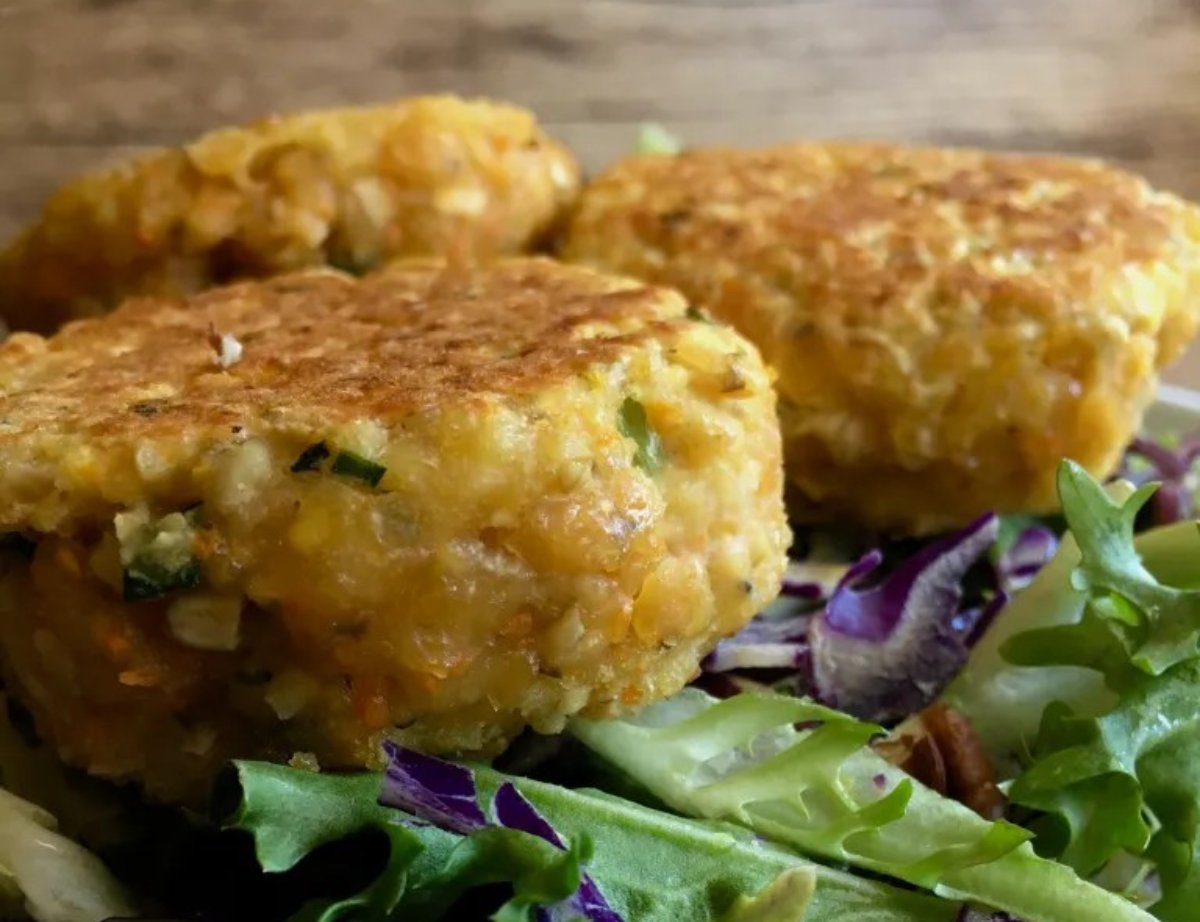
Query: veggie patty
(349,188)
(947,325)
(436,505)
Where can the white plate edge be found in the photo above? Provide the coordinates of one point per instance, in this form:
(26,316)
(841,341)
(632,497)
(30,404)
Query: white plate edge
(1184,398)
(1174,412)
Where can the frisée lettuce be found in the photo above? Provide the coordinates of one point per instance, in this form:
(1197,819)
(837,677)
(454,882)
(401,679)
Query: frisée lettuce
(1086,692)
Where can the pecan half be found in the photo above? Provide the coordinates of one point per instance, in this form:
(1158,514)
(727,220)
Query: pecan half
(941,749)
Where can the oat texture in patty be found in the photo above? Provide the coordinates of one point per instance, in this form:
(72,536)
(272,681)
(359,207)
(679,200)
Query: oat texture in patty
(440,504)
(348,188)
(947,325)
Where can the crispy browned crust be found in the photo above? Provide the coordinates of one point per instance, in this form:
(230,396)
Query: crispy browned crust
(318,349)
(323,345)
(868,206)
(352,187)
(947,324)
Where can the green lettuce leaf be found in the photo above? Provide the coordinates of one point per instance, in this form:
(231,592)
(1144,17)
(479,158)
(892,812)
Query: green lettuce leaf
(1005,701)
(650,865)
(1086,691)
(1153,626)
(1128,781)
(1062,639)
(785,899)
(824,792)
(655,139)
(293,813)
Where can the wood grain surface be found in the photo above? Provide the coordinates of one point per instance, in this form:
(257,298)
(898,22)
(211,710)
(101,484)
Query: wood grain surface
(84,81)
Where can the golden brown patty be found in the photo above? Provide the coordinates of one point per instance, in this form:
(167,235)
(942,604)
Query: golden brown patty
(349,188)
(946,324)
(436,504)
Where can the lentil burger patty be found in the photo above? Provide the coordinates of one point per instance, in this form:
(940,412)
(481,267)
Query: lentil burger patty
(350,187)
(946,324)
(438,504)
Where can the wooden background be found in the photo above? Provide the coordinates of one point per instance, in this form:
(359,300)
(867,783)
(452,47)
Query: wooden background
(82,81)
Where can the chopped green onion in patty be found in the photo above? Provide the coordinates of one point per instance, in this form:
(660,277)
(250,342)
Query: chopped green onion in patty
(634,424)
(146,579)
(345,464)
(348,464)
(157,555)
(311,458)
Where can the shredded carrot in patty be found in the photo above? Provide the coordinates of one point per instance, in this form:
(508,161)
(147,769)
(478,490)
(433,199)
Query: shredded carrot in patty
(370,705)
(114,641)
(68,561)
(142,677)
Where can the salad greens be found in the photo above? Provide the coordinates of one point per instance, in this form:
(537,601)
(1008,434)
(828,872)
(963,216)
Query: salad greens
(1127,781)
(655,139)
(447,796)
(634,424)
(1133,621)
(822,790)
(1088,692)
(649,865)
(1083,689)
(1004,701)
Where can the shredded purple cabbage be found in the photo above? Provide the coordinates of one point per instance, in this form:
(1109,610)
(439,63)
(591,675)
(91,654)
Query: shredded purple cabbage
(797,584)
(808,581)
(446,795)
(1174,467)
(968,914)
(438,792)
(880,648)
(778,640)
(1031,551)
(513,811)
(884,651)
(970,623)
(764,643)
